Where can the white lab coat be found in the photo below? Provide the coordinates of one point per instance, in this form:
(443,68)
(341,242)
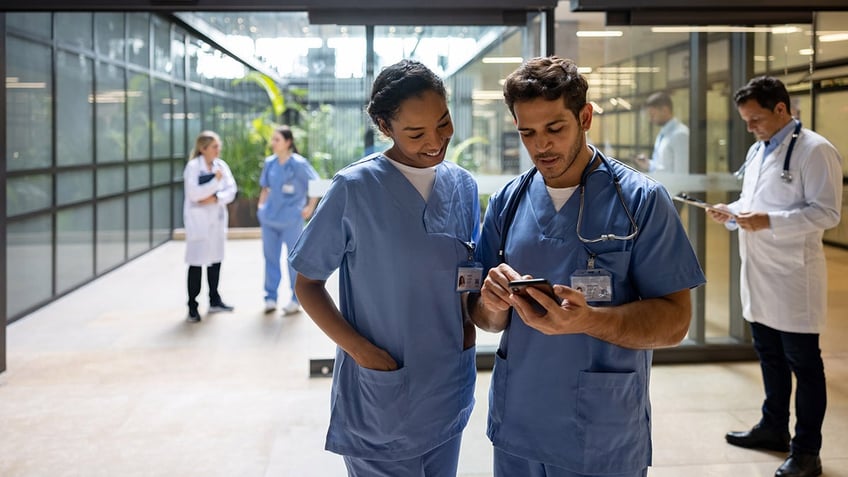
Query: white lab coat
(784,274)
(206,225)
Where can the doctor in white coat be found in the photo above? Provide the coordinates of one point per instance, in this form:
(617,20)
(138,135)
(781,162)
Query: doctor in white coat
(209,187)
(791,193)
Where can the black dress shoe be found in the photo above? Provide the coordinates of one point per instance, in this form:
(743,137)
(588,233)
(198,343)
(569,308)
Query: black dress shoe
(760,438)
(800,465)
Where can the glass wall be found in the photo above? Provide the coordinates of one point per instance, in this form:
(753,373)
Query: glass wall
(102,109)
(699,67)
(98,131)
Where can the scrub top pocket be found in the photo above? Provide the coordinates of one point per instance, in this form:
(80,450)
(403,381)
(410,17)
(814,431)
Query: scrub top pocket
(376,404)
(613,422)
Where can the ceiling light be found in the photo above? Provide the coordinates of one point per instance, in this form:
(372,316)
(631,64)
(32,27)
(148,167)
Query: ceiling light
(709,29)
(628,69)
(785,30)
(596,107)
(599,33)
(486,95)
(841,36)
(500,60)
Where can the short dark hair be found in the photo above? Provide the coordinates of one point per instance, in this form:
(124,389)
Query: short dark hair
(767,91)
(397,83)
(660,99)
(549,77)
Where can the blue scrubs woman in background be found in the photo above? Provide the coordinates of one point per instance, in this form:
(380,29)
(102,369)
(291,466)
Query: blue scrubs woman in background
(569,391)
(283,206)
(400,227)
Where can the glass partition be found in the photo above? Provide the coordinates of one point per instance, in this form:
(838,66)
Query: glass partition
(142,85)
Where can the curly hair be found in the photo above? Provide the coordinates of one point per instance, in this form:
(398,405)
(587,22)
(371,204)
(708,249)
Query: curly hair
(397,83)
(549,77)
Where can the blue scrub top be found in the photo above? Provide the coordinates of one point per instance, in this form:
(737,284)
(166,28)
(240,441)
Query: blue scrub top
(288,187)
(397,258)
(575,401)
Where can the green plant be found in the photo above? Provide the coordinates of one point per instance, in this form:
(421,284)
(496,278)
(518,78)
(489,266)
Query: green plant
(244,150)
(457,153)
(315,131)
(247,144)
(275,96)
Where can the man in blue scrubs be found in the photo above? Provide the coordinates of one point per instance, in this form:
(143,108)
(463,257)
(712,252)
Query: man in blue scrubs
(569,392)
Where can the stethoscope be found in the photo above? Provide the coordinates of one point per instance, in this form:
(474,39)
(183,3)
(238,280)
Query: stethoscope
(785,176)
(524,185)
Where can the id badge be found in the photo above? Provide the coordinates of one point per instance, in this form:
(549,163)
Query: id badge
(288,188)
(595,284)
(469,277)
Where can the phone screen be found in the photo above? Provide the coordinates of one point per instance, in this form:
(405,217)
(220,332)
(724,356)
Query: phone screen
(519,287)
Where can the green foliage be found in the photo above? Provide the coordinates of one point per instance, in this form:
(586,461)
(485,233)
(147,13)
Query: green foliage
(244,150)
(247,145)
(275,96)
(458,154)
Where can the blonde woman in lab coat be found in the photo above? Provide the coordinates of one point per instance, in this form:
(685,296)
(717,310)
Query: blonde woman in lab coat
(209,187)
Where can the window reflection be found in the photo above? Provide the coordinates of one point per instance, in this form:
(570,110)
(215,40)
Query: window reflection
(29,263)
(74,247)
(28,101)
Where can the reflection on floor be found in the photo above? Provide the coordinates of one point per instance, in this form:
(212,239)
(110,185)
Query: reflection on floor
(111,381)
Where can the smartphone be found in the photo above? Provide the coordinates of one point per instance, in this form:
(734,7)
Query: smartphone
(519,287)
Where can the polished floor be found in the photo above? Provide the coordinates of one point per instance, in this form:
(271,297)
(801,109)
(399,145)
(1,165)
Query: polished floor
(111,381)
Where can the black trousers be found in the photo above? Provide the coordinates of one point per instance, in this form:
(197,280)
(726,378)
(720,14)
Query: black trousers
(213,273)
(782,354)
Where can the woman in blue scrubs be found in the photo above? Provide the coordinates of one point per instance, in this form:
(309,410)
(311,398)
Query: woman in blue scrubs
(283,206)
(400,227)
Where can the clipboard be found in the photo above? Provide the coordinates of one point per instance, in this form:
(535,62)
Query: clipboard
(683,197)
(204,178)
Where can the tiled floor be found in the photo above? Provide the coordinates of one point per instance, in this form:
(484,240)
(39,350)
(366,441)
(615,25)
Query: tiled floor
(110,381)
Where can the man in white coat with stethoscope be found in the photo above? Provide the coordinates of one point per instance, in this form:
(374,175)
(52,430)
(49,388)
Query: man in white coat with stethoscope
(791,193)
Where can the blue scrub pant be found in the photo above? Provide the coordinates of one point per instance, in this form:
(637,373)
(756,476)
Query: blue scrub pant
(508,465)
(781,354)
(273,238)
(439,462)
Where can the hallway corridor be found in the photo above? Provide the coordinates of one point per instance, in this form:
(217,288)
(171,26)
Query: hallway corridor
(111,381)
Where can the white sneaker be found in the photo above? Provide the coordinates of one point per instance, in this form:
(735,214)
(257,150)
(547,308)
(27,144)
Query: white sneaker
(270,305)
(291,308)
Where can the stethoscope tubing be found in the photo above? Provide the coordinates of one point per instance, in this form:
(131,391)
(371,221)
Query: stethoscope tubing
(785,175)
(524,186)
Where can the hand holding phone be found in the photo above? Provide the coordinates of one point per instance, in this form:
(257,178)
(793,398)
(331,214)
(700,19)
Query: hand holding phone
(519,287)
